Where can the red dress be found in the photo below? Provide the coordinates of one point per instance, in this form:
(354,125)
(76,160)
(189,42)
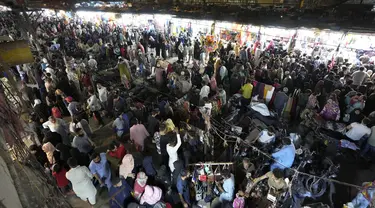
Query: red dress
(61,179)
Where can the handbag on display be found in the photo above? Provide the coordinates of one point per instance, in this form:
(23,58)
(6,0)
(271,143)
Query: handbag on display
(198,192)
(202,178)
(238,202)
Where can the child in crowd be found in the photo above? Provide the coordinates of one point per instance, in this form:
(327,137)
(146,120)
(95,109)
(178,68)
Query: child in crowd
(58,173)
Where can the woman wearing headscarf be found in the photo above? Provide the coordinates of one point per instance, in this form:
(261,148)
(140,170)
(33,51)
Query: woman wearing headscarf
(140,185)
(331,110)
(127,166)
(49,149)
(151,195)
(169,125)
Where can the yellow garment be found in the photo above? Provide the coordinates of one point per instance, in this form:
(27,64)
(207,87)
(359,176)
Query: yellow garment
(247,90)
(266,89)
(169,125)
(124,71)
(237,49)
(220,45)
(217,64)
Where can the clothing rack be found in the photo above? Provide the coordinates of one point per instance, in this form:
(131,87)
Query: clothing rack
(211,163)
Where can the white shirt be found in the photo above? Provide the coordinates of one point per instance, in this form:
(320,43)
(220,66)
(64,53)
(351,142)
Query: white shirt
(204,92)
(93,103)
(119,124)
(54,127)
(261,108)
(79,31)
(358,77)
(172,152)
(92,64)
(223,72)
(83,124)
(264,137)
(72,75)
(80,177)
(73,126)
(103,94)
(50,70)
(357,131)
(206,109)
(223,97)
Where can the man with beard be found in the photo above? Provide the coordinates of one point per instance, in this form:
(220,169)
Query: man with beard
(99,167)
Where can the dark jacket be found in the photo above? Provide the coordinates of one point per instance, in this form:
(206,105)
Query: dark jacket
(41,110)
(152,125)
(64,151)
(178,165)
(82,159)
(52,137)
(41,156)
(148,166)
(120,194)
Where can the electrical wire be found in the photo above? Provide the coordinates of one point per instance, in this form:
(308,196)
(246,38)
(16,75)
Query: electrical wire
(216,131)
(299,172)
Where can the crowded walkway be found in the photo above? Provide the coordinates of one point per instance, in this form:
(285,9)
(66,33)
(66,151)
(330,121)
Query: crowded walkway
(159,120)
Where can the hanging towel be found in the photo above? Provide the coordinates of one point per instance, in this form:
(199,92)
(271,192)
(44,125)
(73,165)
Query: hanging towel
(266,89)
(261,90)
(269,94)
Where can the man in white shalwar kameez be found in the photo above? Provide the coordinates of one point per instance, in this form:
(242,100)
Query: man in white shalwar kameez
(80,177)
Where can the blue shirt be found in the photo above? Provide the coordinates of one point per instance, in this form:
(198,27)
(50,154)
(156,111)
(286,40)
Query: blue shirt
(102,168)
(285,156)
(183,189)
(228,187)
(181,185)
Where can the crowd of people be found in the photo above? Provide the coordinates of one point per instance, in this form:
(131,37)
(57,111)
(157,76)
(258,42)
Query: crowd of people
(268,81)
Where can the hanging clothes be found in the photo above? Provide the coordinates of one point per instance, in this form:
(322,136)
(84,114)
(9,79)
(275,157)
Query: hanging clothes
(268,92)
